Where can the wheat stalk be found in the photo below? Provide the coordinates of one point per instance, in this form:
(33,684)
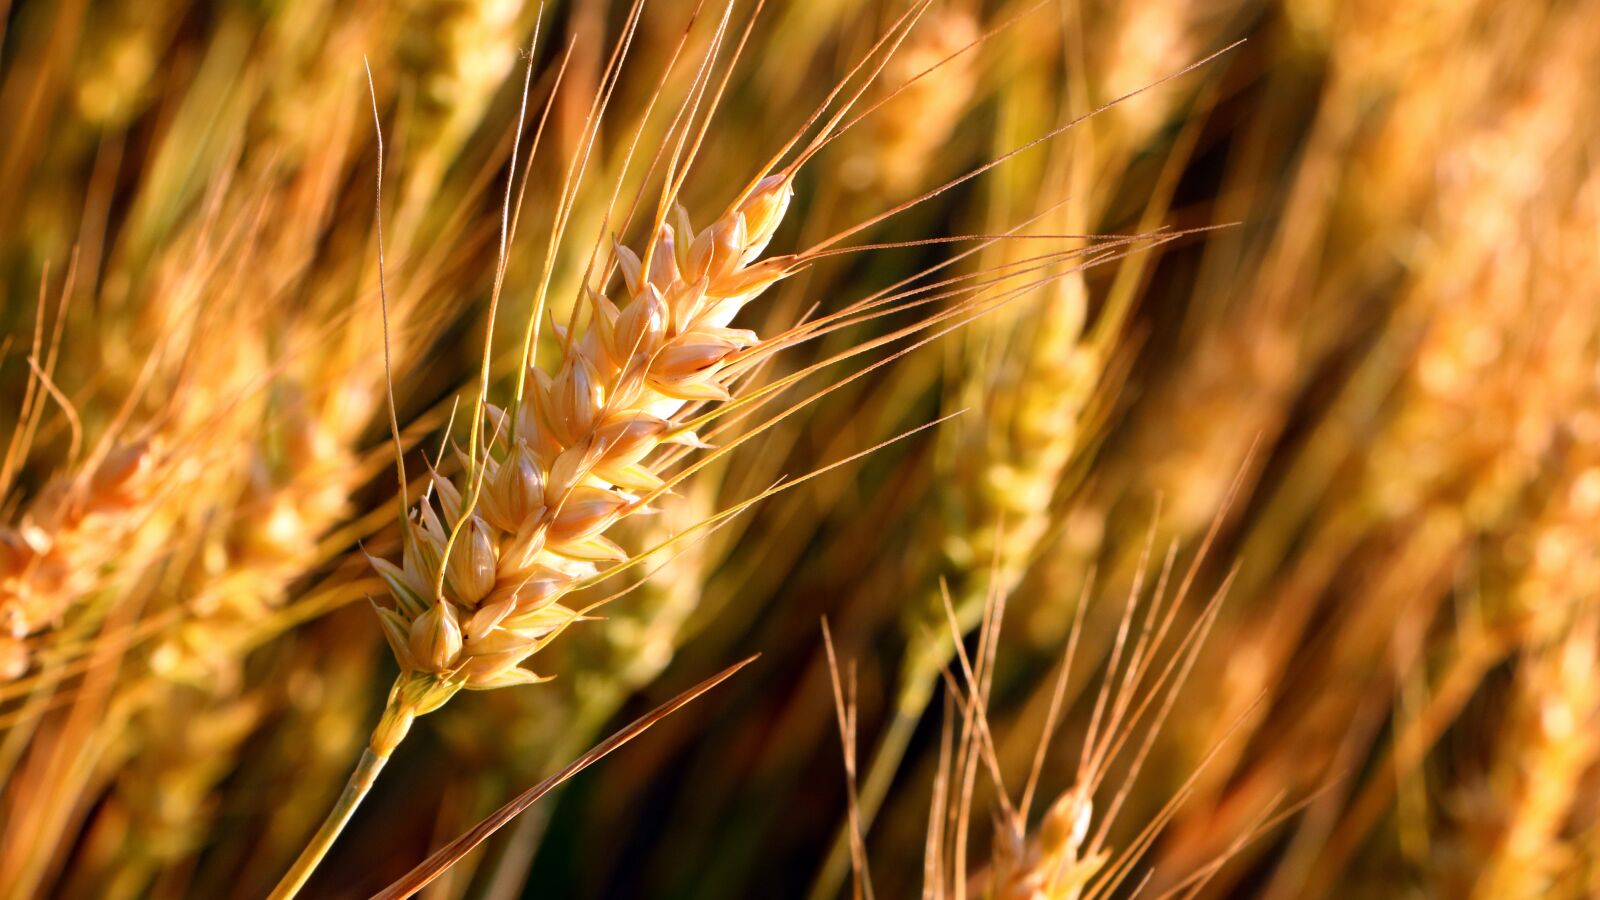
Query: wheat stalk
(478,591)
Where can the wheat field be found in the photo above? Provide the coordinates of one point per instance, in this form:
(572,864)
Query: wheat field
(943,449)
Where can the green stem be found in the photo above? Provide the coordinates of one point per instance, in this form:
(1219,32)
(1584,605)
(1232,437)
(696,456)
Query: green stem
(354,791)
(398,714)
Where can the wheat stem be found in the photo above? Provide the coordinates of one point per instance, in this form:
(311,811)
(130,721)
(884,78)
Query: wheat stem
(398,714)
(355,790)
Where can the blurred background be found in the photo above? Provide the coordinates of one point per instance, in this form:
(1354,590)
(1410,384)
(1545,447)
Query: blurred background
(1357,398)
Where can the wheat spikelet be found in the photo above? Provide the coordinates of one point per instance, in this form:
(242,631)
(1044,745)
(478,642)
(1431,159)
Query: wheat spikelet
(475,601)
(1048,385)
(572,464)
(57,552)
(1051,867)
(1066,855)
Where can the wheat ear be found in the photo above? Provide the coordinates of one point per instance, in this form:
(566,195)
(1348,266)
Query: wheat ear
(477,597)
